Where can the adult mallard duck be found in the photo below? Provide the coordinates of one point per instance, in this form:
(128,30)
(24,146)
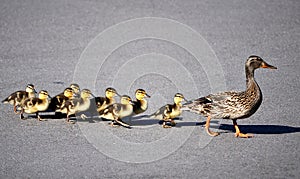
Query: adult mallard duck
(170,111)
(232,105)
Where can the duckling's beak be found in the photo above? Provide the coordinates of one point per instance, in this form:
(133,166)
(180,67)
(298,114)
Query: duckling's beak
(49,96)
(118,95)
(184,99)
(266,65)
(148,96)
(93,95)
(35,91)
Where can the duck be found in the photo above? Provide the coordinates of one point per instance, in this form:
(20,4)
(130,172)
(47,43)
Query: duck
(141,104)
(57,101)
(18,97)
(170,111)
(76,105)
(35,105)
(232,105)
(103,102)
(76,90)
(117,111)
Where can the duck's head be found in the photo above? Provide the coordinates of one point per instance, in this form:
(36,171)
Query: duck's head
(86,93)
(178,98)
(75,88)
(43,94)
(254,62)
(30,88)
(111,93)
(68,92)
(140,94)
(126,100)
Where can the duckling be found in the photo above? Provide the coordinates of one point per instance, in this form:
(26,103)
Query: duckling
(170,111)
(76,105)
(103,102)
(117,111)
(18,97)
(76,89)
(232,105)
(35,105)
(141,104)
(57,101)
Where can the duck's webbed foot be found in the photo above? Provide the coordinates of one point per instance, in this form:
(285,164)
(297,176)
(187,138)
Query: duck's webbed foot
(238,132)
(213,134)
(39,117)
(16,111)
(166,125)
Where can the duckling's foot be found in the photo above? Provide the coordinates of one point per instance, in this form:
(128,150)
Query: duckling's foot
(241,135)
(22,116)
(16,111)
(165,125)
(114,124)
(173,123)
(41,119)
(83,116)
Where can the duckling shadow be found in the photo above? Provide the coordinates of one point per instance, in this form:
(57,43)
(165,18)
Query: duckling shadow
(262,129)
(190,123)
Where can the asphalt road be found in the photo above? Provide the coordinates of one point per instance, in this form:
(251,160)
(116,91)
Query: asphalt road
(193,47)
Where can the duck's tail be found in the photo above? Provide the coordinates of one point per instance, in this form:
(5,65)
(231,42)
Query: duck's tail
(7,100)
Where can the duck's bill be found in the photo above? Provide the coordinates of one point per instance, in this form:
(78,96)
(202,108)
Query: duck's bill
(148,96)
(184,99)
(265,65)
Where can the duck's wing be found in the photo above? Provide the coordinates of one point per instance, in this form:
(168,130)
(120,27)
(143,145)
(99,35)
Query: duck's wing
(30,104)
(216,105)
(110,111)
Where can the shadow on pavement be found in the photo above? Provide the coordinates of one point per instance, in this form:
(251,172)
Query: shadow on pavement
(262,129)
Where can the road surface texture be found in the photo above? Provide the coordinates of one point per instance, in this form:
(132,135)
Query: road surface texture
(54,43)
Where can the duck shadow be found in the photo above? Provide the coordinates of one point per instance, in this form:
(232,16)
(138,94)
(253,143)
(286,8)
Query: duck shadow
(144,121)
(261,129)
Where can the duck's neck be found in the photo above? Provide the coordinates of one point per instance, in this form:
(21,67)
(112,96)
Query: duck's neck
(251,84)
(144,104)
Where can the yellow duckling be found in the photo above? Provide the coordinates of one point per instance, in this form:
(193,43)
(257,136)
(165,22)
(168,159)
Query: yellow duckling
(76,89)
(35,105)
(103,102)
(18,97)
(170,111)
(117,111)
(58,100)
(141,104)
(76,105)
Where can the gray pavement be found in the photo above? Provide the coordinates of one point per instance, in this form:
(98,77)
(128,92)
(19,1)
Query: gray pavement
(48,43)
